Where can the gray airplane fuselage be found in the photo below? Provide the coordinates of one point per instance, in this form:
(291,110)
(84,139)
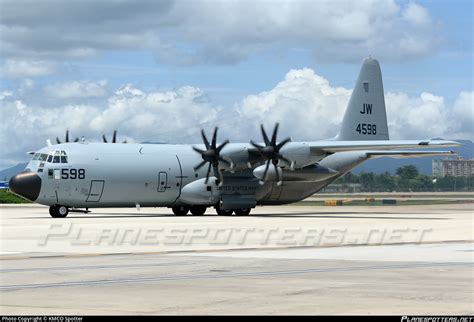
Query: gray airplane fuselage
(153,175)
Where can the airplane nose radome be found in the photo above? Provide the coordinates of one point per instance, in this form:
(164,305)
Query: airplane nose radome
(26,184)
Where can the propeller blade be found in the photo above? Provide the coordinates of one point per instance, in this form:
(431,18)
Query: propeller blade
(217,173)
(220,147)
(76,140)
(208,172)
(277,173)
(280,157)
(198,150)
(221,159)
(211,155)
(264,177)
(204,138)
(282,143)
(270,152)
(67,136)
(200,165)
(104,138)
(214,138)
(264,134)
(274,135)
(258,146)
(114,137)
(58,141)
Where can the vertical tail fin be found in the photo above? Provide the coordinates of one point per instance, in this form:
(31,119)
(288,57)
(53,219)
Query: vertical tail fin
(365,117)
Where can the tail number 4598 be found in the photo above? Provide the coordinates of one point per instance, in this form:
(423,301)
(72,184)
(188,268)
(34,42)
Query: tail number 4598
(363,128)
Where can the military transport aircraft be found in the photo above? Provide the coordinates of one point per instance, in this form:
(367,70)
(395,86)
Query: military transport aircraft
(231,177)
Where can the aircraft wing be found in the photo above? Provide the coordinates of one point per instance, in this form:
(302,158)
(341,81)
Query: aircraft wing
(340,146)
(407,154)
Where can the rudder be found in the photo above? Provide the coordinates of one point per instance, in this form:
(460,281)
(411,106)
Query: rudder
(365,117)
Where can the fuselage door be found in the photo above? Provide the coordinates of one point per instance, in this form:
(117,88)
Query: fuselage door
(162,181)
(95,192)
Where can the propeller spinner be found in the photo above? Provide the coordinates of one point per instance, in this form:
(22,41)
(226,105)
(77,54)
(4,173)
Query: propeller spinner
(271,152)
(212,156)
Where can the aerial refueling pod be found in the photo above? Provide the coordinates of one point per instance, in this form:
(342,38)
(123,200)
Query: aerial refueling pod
(200,193)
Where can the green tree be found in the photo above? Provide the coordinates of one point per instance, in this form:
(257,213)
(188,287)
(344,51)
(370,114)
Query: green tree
(385,182)
(367,181)
(407,172)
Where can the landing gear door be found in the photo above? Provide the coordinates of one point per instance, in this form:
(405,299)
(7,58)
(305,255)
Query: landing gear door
(162,181)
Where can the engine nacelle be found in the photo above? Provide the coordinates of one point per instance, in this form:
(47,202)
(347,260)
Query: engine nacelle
(271,173)
(199,193)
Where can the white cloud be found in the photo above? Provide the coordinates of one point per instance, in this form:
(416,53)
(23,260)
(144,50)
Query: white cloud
(417,15)
(425,116)
(307,106)
(464,114)
(191,32)
(136,114)
(22,68)
(305,103)
(5,94)
(76,89)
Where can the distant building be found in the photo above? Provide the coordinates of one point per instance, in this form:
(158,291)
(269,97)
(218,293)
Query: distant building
(3,184)
(453,168)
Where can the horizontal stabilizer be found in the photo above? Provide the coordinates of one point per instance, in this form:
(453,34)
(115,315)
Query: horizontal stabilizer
(408,154)
(330,147)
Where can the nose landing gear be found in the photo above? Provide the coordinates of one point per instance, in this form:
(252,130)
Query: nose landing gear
(58,211)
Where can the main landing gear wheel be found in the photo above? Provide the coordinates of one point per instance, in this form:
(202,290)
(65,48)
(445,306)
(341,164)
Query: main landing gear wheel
(58,211)
(242,212)
(223,212)
(180,210)
(198,210)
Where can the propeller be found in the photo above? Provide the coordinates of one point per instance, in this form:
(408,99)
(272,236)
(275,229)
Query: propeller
(67,138)
(212,156)
(114,138)
(271,152)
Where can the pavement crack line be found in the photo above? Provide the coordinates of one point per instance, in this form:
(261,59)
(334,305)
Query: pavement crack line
(227,275)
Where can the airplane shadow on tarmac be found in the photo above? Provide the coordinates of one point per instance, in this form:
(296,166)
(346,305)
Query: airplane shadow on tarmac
(306,215)
(331,215)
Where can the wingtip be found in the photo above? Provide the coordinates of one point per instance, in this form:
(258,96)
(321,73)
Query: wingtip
(444,143)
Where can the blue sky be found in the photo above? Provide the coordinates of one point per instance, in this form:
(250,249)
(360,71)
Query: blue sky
(93,66)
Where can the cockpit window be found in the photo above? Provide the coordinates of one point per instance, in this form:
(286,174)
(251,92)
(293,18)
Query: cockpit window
(58,156)
(40,157)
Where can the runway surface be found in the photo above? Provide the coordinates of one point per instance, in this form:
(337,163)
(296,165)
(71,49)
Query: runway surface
(279,260)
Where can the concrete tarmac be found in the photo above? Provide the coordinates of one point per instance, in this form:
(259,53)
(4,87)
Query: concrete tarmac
(279,260)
